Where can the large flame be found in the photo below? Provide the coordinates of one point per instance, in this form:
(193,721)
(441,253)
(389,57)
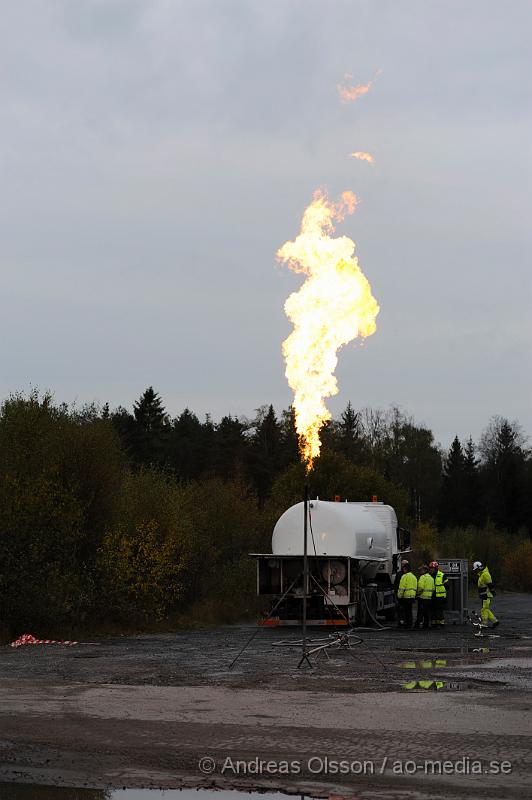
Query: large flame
(333,307)
(362,156)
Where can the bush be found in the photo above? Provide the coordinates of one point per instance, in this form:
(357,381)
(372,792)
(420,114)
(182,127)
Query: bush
(143,571)
(84,540)
(180,549)
(517,567)
(233,596)
(44,575)
(508,557)
(58,473)
(227,525)
(425,543)
(144,558)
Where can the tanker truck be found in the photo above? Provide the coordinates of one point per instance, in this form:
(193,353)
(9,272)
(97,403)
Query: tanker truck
(354,553)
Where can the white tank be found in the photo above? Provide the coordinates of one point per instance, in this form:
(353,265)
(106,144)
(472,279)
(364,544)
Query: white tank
(366,531)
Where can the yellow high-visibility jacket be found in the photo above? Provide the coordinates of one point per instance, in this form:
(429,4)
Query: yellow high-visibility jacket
(485,584)
(407,586)
(425,586)
(440,584)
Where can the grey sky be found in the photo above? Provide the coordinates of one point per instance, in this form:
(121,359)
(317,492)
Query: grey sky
(156,154)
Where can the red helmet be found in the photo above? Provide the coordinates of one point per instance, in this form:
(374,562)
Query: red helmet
(433,565)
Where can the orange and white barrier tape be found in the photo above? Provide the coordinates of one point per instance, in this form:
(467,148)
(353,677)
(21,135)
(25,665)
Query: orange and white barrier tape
(28,638)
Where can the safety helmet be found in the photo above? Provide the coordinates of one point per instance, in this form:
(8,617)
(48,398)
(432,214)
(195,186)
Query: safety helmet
(477,565)
(433,565)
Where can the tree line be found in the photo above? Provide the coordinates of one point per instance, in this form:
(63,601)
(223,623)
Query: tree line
(132,517)
(466,485)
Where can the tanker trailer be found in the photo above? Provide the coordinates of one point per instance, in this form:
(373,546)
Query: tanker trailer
(354,553)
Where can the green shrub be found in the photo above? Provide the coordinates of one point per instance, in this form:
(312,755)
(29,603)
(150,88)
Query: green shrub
(145,558)
(142,571)
(180,549)
(58,473)
(232,596)
(227,525)
(425,543)
(517,567)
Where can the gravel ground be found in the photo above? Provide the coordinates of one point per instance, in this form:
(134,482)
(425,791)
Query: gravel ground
(142,711)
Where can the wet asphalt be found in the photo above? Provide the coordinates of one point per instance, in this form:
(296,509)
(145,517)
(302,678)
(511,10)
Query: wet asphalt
(141,710)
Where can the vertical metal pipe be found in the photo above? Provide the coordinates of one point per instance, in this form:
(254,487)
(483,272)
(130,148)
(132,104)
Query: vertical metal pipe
(305,570)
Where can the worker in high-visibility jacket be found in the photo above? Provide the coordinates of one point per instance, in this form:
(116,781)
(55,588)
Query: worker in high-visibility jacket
(406,594)
(486,592)
(425,592)
(440,594)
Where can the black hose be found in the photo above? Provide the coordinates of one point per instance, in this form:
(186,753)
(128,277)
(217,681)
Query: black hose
(377,623)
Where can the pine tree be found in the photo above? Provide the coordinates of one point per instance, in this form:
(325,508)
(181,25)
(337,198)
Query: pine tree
(187,445)
(266,451)
(473,511)
(504,473)
(124,424)
(421,470)
(149,411)
(150,428)
(230,447)
(452,505)
(406,454)
(349,435)
(289,438)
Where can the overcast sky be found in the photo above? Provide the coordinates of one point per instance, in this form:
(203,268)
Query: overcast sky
(156,153)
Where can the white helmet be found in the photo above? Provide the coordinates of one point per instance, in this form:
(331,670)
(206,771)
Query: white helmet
(477,565)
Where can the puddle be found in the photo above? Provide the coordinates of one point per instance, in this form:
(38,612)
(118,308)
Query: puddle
(428,649)
(434,686)
(437,663)
(520,662)
(17,791)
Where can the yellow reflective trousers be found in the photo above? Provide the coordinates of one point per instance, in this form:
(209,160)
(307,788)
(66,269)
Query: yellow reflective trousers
(486,614)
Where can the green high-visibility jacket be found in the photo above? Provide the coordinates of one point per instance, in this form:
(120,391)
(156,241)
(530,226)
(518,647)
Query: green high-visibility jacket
(407,586)
(440,585)
(485,584)
(425,586)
